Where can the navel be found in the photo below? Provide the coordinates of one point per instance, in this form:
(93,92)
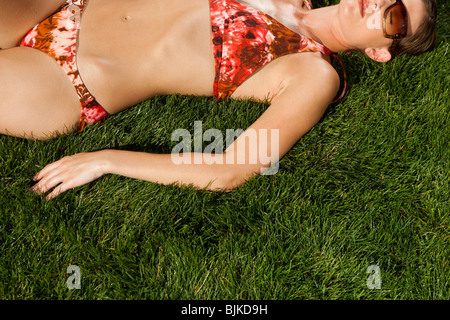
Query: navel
(126,18)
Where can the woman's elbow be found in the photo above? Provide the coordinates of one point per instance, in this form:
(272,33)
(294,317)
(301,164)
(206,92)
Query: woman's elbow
(230,181)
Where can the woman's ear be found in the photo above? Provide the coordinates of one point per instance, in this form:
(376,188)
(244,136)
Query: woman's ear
(379,55)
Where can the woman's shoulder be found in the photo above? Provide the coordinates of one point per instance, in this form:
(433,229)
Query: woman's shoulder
(309,64)
(299,70)
(312,72)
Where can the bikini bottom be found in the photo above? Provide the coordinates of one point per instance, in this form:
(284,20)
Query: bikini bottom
(57,36)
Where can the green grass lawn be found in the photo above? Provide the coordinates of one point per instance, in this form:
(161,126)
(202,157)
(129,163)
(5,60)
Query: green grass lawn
(368,185)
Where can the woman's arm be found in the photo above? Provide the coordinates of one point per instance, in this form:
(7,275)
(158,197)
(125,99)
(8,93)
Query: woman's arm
(302,99)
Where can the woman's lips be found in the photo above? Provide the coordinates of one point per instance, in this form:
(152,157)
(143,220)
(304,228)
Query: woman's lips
(362,7)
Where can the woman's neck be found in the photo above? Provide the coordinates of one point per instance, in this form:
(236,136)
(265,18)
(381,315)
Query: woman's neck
(322,25)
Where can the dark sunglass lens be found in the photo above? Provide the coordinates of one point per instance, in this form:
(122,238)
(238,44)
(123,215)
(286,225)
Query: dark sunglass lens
(396,21)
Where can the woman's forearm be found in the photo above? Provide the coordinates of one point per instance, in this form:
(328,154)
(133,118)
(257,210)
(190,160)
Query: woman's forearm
(199,170)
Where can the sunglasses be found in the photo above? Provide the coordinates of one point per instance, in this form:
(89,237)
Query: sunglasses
(395,22)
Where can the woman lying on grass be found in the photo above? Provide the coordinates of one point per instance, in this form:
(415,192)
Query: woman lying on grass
(108,55)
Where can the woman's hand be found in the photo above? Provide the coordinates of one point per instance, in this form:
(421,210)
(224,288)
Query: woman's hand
(68,173)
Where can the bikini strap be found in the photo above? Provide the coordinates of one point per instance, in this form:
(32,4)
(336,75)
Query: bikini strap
(344,75)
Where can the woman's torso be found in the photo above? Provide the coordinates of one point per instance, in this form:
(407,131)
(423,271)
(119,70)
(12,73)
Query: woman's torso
(132,50)
(129,51)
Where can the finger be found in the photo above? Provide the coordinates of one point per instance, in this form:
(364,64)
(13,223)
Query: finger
(47,169)
(47,183)
(57,191)
(47,178)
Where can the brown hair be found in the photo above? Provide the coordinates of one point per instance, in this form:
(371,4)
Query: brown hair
(424,38)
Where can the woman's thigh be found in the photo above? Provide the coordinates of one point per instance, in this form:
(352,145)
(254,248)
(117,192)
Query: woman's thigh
(17,17)
(37,99)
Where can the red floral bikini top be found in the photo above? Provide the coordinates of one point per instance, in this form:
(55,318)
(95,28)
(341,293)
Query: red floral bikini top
(245,39)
